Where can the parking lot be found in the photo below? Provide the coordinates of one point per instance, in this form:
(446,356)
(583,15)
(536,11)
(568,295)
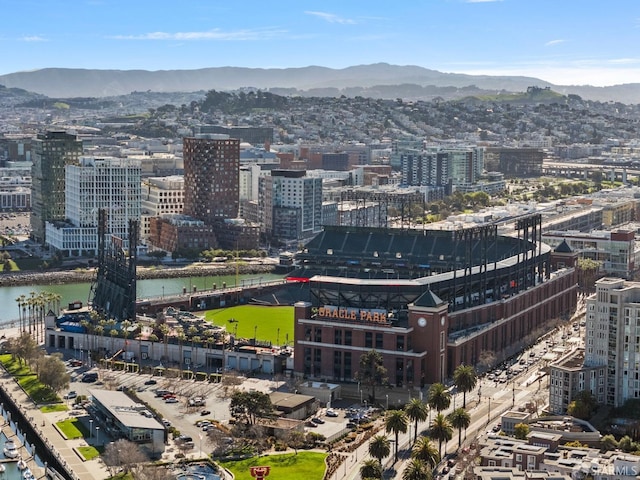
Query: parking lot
(192,407)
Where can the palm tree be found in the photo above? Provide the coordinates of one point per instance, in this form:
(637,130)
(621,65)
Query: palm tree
(417,411)
(460,419)
(31,303)
(396,421)
(153,338)
(124,327)
(417,470)
(164,330)
(466,379)
(181,338)
(441,430)
(438,397)
(370,469)
(20,300)
(425,451)
(99,331)
(379,448)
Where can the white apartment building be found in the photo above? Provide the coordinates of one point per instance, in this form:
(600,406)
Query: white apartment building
(613,337)
(160,196)
(92,184)
(291,205)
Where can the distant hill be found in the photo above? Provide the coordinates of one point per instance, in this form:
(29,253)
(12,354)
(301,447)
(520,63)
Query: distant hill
(378,80)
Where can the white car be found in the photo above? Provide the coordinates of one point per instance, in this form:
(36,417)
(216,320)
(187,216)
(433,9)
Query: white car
(331,413)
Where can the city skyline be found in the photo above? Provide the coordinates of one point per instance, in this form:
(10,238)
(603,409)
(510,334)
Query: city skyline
(574,42)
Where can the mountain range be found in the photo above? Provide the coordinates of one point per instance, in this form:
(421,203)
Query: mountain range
(376,80)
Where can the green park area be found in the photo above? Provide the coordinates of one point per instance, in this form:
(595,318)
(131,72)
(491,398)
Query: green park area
(288,466)
(89,452)
(267,324)
(72,428)
(28,380)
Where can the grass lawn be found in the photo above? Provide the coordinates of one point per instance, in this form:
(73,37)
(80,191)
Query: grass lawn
(56,407)
(28,380)
(13,266)
(274,324)
(288,466)
(122,476)
(88,453)
(73,428)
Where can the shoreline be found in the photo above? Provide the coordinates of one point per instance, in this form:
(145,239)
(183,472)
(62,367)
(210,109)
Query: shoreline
(60,277)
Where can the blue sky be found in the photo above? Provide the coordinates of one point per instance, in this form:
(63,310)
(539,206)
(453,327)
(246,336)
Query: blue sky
(562,41)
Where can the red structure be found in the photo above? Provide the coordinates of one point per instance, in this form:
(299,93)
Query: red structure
(260,472)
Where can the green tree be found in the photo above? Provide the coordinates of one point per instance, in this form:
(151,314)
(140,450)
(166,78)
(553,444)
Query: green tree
(294,439)
(441,431)
(521,430)
(465,378)
(249,406)
(372,371)
(370,469)
(425,451)
(626,444)
(460,419)
(379,448)
(52,372)
(438,398)
(417,411)
(396,421)
(608,442)
(583,405)
(417,470)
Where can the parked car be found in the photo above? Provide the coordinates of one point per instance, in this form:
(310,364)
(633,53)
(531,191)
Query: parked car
(317,420)
(75,363)
(205,412)
(150,382)
(70,395)
(171,400)
(309,423)
(331,413)
(90,377)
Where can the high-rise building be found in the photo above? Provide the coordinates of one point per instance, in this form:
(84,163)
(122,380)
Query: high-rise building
(438,167)
(160,196)
(291,205)
(211,177)
(112,184)
(613,337)
(52,151)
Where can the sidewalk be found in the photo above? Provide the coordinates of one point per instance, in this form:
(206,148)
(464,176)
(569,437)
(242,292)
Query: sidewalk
(43,424)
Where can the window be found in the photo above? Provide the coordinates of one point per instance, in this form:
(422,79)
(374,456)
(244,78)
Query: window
(400,343)
(338,337)
(368,339)
(379,341)
(518,457)
(442,342)
(347,337)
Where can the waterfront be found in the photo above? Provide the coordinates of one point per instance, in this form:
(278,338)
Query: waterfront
(149,288)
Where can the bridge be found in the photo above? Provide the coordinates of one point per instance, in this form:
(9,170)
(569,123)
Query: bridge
(586,170)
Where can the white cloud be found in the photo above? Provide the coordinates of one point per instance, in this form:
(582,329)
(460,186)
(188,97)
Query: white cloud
(554,42)
(215,34)
(33,38)
(331,18)
(624,61)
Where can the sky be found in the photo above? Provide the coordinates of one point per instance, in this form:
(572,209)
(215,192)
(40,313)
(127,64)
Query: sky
(566,42)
